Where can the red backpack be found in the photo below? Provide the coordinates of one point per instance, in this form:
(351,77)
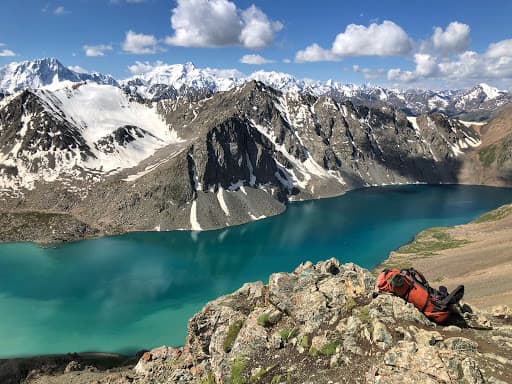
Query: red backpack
(412,286)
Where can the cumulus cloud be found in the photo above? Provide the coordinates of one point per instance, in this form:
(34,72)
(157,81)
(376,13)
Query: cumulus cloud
(454,39)
(315,53)
(140,44)
(255,60)
(219,23)
(96,50)
(385,39)
(500,49)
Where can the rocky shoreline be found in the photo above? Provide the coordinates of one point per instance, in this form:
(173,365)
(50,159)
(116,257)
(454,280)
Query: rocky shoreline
(319,324)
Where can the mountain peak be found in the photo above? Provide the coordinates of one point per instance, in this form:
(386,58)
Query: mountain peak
(43,72)
(491,92)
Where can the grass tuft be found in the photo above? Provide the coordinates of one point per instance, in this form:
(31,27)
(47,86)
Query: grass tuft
(264,320)
(232,334)
(237,371)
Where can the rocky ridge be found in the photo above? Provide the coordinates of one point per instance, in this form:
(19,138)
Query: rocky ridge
(228,159)
(321,324)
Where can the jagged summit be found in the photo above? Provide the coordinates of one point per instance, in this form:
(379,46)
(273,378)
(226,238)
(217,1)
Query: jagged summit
(169,81)
(44,72)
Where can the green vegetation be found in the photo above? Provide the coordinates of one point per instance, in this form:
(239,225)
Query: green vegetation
(232,334)
(329,349)
(313,352)
(439,279)
(430,241)
(264,320)
(288,333)
(495,215)
(210,379)
(237,371)
(487,156)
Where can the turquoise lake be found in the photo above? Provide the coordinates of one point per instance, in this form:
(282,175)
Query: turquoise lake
(137,291)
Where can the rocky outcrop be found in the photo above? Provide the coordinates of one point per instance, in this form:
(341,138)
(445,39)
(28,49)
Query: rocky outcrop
(321,324)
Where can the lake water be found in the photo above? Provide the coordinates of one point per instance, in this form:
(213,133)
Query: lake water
(136,291)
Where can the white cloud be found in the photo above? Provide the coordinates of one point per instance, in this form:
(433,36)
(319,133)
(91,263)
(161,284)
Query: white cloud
(140,44)
(315,53)
(6,52)
(258,30)
(59,11)
(219,23)
(78,69)
(454,39)
(255,60)
(386,39)
(464,67)
(142,67)
(500,49)
(96,50)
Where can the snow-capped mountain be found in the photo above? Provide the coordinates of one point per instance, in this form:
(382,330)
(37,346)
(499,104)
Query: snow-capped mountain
(170,81)
(41,73)
(46,135)
(181,79)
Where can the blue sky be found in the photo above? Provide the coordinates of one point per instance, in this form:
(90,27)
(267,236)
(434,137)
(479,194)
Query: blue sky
(389,42)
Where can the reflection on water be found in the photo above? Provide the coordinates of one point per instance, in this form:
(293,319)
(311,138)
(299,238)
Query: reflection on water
(137,291)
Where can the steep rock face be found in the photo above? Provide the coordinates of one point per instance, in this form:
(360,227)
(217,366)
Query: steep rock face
(320,324)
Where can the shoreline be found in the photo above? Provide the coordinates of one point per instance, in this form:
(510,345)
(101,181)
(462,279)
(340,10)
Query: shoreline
(99,234)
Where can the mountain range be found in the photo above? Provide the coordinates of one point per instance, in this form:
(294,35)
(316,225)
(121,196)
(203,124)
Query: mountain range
(170,81)
(187,148)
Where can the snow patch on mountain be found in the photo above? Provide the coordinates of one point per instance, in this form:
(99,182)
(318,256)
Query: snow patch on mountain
(110,133)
